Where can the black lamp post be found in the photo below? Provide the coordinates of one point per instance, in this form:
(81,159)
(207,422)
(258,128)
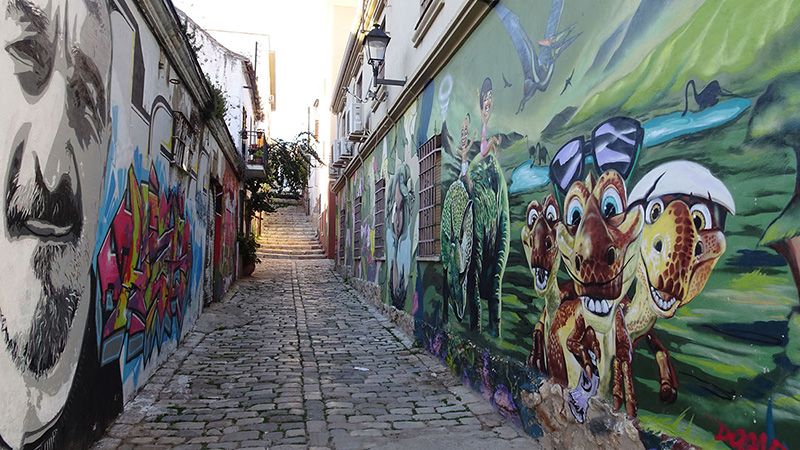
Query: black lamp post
(376,42)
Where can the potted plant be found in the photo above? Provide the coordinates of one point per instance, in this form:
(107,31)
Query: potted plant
(247,249)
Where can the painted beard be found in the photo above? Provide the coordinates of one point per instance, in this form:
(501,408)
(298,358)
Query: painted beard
(55,219)
(39,349)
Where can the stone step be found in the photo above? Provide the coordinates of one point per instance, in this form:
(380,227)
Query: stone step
(313,246)
(268,249)
(278,256)
(277,252)
(267,240)
(310,246)
(290,231)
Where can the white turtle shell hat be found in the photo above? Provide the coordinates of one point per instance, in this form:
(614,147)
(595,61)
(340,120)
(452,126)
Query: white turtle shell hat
(684,179)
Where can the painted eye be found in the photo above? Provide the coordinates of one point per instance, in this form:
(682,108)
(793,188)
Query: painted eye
(532,216)
(611,204)
(551,214)
(701,217)
(653,211)
(574,212)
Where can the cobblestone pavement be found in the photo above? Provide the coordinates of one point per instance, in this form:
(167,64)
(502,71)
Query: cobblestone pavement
(295,360)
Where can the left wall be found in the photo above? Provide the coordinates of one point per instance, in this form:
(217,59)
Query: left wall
(111,176)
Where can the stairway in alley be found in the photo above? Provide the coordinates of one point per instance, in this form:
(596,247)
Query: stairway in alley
(288,234)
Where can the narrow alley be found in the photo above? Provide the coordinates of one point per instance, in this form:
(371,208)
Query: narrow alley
(444,224)
(294,359)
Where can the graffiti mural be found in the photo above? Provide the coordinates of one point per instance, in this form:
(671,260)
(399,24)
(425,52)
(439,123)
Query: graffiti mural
(368,266)
(107,232)
(51,170)
(401,171)
(143,271)
(478,240)
(621,248)
(225,234)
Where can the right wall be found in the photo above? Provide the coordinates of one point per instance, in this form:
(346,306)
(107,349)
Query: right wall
(620,220)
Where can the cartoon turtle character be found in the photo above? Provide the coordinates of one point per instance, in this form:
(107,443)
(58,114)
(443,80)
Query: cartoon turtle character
(539,242)
(685,207)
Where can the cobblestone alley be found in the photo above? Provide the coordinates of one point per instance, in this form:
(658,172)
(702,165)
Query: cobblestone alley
(294,359)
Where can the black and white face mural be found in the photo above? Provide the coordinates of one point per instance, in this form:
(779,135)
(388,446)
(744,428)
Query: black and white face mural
(55,66)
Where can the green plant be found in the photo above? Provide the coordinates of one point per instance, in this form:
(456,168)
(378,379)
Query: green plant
(288,166)
(247,248)
(217,106)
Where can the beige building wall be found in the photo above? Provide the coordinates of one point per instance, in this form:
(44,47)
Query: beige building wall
(341,20)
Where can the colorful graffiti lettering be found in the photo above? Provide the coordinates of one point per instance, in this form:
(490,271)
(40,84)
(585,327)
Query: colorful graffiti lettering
(143,271)
(742,440)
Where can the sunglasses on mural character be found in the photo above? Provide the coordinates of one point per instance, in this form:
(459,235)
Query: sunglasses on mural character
(615,144)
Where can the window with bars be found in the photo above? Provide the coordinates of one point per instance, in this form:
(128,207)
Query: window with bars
(342,229)
(380,217)
(357,228)
(430,197)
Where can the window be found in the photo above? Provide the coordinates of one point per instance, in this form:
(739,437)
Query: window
(342,225)
(428,10)
(380,216)
(423,6)
(430,197)
(357,227)
(182,141)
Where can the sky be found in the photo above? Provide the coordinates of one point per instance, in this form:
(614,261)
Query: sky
(298,31)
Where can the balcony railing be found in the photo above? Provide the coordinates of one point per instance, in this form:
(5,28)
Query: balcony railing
(254,147)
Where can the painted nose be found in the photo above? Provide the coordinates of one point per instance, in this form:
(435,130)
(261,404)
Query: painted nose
(595,245)
(541,238)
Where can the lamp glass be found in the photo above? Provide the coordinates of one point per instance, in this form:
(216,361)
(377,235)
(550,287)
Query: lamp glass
(376,42)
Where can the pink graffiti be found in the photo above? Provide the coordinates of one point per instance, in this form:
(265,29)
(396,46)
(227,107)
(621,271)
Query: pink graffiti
(742,440)
(143,269)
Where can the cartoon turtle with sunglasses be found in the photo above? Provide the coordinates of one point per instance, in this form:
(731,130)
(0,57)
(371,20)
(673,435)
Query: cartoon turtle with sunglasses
(598,240)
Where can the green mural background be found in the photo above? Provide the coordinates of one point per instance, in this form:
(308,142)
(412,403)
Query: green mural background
(736,346)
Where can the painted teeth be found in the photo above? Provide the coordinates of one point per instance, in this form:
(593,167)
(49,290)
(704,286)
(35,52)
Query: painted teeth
(540,278)
(662,303)
(600,306)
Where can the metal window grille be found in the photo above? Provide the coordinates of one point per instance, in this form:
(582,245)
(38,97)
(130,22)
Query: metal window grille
(380,217)
(357,228)
(430,197)
(342,224)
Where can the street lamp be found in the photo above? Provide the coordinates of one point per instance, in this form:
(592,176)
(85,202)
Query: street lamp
(376,42)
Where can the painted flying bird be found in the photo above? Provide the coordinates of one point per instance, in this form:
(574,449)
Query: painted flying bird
(708,97)
(505,81)
(537,69)
(568,82)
